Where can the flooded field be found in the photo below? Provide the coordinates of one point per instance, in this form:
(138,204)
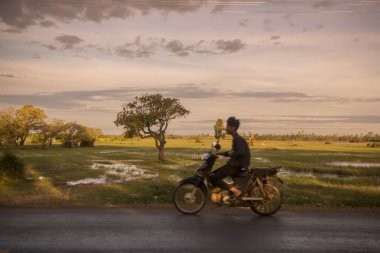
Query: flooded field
(354,164)
(115,172)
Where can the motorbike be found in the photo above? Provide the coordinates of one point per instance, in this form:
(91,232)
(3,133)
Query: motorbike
(263,197)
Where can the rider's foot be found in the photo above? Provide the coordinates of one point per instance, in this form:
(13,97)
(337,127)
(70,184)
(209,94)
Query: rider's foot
(234,198)
(236,194)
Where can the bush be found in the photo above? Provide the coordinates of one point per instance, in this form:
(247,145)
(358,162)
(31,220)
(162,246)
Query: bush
(373,145)
(11,166)
(87,143)
(69,144)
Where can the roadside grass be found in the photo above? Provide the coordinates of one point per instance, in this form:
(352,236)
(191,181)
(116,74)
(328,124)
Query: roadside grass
(49,170)
(314,192)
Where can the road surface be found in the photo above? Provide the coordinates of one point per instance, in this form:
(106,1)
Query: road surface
(166,230)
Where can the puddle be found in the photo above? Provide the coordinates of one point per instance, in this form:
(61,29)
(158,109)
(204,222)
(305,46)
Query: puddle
(180,165)
(311,174)
(115,173)
(353,164)
(175,178)
(100,180)
(109,152)
(260,159)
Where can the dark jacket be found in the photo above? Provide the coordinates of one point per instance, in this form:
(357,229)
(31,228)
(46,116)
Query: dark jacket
(240,153)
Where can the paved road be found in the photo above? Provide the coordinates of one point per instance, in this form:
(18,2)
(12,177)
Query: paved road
(165,230)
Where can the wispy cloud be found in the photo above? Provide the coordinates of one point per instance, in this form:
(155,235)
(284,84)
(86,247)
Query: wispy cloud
(147,47)
(11,76)
(75,99)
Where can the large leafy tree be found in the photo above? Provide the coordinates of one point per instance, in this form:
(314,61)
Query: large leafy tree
(28,118)
(149,116)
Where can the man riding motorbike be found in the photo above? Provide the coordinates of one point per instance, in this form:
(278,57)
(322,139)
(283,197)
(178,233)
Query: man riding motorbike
(240,158)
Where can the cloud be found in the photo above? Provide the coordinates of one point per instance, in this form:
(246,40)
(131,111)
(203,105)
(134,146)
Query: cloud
(50,47)
(21,14)
(220,6)
(268,25)
(47,23)
(69,41)
(324,4)
(288,18)
(69,99)
(318,27)
(11,76)
(244,22)
(147,47)
(177,47)
(7,75)
(274,37)
(228,46)
(140,47)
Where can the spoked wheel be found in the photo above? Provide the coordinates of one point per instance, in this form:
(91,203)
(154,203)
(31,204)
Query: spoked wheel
(189,199)
(272,202)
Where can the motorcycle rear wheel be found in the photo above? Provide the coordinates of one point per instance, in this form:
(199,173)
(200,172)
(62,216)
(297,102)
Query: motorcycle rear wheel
(189,198)
(272,201)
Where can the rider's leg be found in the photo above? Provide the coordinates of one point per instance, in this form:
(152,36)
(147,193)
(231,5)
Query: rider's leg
(217,176)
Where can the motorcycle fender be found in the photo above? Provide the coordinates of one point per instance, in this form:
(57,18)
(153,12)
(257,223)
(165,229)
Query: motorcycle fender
(196,180)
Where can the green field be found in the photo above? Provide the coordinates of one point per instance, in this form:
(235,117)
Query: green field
(317,174)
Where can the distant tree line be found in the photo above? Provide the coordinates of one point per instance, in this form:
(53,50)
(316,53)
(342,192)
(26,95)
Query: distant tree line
(17,125)
(300,136)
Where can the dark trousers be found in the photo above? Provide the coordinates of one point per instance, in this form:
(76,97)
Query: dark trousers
(216,178)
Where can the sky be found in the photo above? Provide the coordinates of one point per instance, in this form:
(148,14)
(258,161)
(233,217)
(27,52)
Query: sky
(279,66)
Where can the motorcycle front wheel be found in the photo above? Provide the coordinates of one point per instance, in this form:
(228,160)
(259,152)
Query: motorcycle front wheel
(271,203)
(189,199)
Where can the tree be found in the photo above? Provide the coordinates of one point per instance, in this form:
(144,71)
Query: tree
(219,129)
(89,137)
(48,131)
(149,116)
(28,118)
(74,135)
(7,125)
(71,134)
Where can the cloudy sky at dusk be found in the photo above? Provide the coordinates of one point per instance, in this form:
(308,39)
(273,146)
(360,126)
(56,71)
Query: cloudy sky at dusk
(280,66)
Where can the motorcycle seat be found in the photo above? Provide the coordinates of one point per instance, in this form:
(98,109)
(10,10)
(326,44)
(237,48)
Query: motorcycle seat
(242,173)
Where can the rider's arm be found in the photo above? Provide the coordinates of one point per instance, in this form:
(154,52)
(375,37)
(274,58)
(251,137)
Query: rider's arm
(226,153)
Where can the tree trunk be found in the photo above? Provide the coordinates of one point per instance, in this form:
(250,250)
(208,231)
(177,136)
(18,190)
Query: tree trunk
(161,152)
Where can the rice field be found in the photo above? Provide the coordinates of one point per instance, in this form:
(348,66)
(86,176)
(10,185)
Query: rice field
(127,172)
